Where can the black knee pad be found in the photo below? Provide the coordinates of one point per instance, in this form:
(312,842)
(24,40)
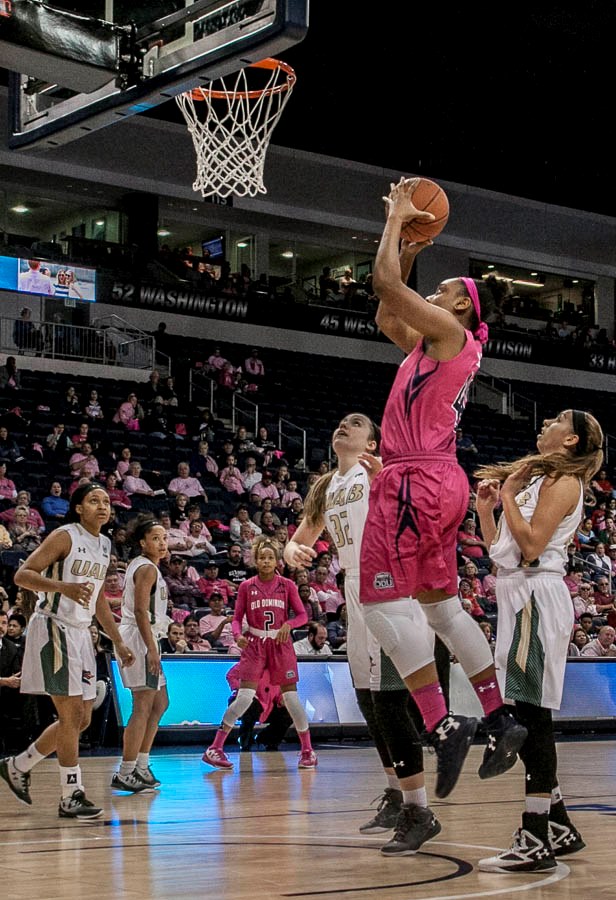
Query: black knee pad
(538,752)
(398,730)
(366,705)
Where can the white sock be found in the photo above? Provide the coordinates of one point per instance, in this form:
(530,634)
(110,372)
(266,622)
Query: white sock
(127,767)
(143,761)
(392,781)
(28,759)
(70,780)
(538,805)
(418,797)
(557,795)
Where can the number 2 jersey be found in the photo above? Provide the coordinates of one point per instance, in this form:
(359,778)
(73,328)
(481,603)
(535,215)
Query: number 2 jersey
(426,401)
(266,605)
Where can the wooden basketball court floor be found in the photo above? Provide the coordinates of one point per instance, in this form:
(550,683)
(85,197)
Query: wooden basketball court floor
(267,830)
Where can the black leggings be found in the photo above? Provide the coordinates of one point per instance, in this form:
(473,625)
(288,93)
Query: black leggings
(391,727)
(538,752)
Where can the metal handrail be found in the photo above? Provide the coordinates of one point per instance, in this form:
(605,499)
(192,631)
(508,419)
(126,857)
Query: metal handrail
(102,344)
(281,432)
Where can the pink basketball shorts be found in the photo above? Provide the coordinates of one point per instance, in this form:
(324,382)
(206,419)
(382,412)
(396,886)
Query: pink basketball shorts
(410,536)
(262,654)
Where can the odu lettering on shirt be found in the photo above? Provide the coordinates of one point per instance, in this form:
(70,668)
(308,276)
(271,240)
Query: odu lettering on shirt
(87,560)
(346,508)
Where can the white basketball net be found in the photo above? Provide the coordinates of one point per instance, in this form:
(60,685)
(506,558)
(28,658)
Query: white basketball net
(231,125)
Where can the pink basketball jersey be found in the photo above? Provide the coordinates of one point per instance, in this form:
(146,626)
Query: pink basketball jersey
(427,400)
(267,605)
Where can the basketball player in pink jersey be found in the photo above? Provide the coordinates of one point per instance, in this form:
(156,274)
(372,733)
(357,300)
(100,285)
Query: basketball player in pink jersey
(420,497)
(266,601)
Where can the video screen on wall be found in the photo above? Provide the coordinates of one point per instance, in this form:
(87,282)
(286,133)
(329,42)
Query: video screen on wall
(48,279)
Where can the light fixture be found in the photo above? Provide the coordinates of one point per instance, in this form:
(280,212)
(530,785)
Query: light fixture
(288,254)
(534,274)
(242,244)
(20,208)
(491,266)
(575,281)
(537,284)
(163,232)
(100,222)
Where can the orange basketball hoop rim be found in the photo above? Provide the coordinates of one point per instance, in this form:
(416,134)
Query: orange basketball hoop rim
(205,93)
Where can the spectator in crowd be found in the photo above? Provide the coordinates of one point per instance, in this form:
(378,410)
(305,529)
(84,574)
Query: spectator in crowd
(315,644)
(215,362)
(10,451)
(337,628)
(34,517)
(584,600)
(112,592)
(10,681)
(178,540)
(185,483)
(202,463)
(210,583)
(200,541)
(54,506)
(25,334)
(599,561)
(195,640)
(141,494)
(267,506)
(16,630)
(470,543)
(486,627)
(8,491)
(82,436)
(465,448)
(157,423)
(93,409)
(175,642)
(118,497)
(169,394)
(123,463)
(179,509)
(254,369)
(10,378)
(265,445)
(151,391)
(310,603)
(206,429)
(242,517)
(587,622)
(603,645)
(233,570)
(266,487)
(70,405)
(611,552)
(183,591)
(58,444)
(231,477)
(585,535)
(328,287)
(83,462)
(289,494)
(603,596)
(130,414)
(267,524)
(25,537)
(602,485)
(574,578)
(250,476)
(489,583)
(227,449)
(469,599)
(216,625)
(579,639)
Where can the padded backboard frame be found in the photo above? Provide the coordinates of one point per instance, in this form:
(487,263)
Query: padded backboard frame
(226,36)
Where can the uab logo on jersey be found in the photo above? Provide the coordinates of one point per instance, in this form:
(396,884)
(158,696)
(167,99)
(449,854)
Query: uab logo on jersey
(383,580)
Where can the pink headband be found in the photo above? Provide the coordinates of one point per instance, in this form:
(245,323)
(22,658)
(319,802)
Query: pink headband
(482,331)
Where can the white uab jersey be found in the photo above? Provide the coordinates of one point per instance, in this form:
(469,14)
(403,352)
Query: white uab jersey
(87,561)
(158,598)
(506,553)
(346,508)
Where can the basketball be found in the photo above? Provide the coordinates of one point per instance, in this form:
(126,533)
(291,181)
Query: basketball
(429,197)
